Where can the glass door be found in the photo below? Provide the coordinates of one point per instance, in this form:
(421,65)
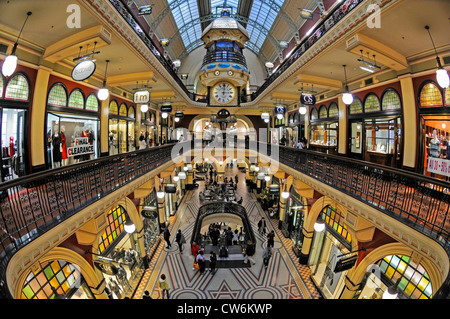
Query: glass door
(356,143)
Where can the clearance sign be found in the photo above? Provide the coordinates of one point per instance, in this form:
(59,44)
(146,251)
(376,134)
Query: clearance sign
(439,166)
(81,147)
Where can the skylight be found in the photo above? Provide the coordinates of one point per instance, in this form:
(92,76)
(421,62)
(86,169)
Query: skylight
(217,5)
(184,13)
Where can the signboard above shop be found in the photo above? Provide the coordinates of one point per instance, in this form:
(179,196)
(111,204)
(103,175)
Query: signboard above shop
(307,99)
(141,97)
(83,70)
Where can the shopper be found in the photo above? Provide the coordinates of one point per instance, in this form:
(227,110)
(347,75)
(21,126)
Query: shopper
(249,252)
(266,255)
(142,143)
(262,226)
(167,237)
(164,286)
(271,239)
(146,295)
(201,261)
(194,249)
(180,240)
(212,262)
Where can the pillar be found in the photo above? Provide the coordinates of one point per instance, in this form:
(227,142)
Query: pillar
(342,138)
(410,129)
(104,127)
(38,120)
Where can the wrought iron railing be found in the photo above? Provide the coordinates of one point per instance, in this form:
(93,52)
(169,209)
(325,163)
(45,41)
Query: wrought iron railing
(31,205)
(224,56)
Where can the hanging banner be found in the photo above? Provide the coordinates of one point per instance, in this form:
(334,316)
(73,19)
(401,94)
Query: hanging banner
(141,97)
(307,99)
(439,166)
(83,70)
(81,147)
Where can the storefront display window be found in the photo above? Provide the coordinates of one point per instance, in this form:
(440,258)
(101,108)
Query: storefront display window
(324,137)
(56,279)
(121,128)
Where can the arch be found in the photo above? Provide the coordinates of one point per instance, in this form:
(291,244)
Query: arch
(61,253)
(323,112)
(76,99)
(244,119)
(314,115)
(131,111)
(92,103)
(447,96)
(57,95)
(390,100)
(357,274)
(18,88)
(1,86)
(333,110)
(123,110)
(371,103)
(356,107)
(430,95)
(113,107)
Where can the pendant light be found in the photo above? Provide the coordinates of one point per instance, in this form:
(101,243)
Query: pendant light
(319,225)
(347,97)
(160,193)
(10,63)
(285,193)
(103,93)
(441,73)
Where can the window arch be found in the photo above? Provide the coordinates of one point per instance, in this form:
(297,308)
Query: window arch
(57,95)
(1,86)
(92,103)
(447,96)
(116,219)
(18,88)
(113,108)
(371,103)
(335,221)
(390,100)
(314,114)
(430,95)
(123,110)
(356,107)
(414,280)
(131,112)
(296,117)
(333,110)
(323,113)
(76,99)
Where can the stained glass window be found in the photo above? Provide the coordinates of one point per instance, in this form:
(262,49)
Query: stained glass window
(57,95)
(356,107)
(391,100)
(430,96)
(335,221)
(76,99)
(1,86)
(123,110)
(371,104)
(116,220)
(131,112)
(333,110)
(17,88)
(57,275)
(92,103)
(414,280)
(447,96)
(113,108)
(323,113)
(314,114)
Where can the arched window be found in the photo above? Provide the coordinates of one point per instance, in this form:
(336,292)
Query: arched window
(356,107)
(113,108)
(123,110)
(296,117)
(414,280)
(333,110)
(18,88)
(1,86)
(131,112)
(447,96)
(57,95)
(76,99)
(335,221)
(314,114)
(92,103)
(430,96)
(116,221)
(323,113)
(371,104)
(390,100)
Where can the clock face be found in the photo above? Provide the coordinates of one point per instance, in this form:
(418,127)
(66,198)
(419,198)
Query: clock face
(223,92)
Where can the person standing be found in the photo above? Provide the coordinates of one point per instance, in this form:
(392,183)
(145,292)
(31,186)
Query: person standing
(180,240)
(164,286)
(194,249)
(201,261)
(167,237)
(266,255)
(212,262)
(249,252)
(271,239)
(146,295)
(262,226)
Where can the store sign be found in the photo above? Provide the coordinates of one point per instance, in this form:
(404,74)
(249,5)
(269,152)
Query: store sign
(82,147)
(345,263)
(106,267)
(439,166)
(141,97)
(83,70)
(170,188)
(307,99)
(166,108)
(149,212)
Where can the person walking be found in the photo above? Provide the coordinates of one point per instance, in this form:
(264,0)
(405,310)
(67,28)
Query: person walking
(194,249)
(262,226)
(212,262)
(180,240)
(167,237)
(146,295)
(164,286)
(266,255)
(271,239)
(201,261)
(249,252)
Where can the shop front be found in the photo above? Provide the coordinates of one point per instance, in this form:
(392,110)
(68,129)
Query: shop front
(292,225)
(121,135)
(297,128)
(434,114)
(15,100)
(324,129)
(328,249)
(117,256)
(151,222)
(73,125)
(148,127)
(375,128)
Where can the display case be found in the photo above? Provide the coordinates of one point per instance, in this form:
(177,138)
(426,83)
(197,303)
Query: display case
(382,146)
(324,138)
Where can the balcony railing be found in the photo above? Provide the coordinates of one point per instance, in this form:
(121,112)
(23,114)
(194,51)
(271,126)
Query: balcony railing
(224,56)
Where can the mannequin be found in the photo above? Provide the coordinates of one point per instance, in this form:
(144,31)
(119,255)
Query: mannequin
(91,140)
(56,143)
(63,146)
(435,145)
(84,133)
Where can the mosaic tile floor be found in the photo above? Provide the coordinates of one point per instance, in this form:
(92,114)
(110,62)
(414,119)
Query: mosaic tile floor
(284,278)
